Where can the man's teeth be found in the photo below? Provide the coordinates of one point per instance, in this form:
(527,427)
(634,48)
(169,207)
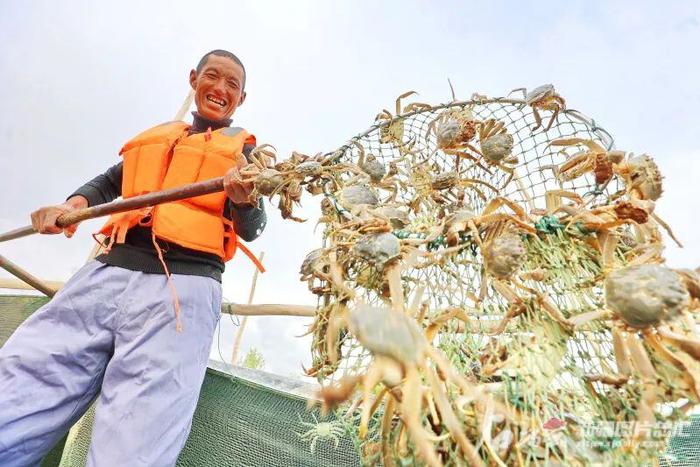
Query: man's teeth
(216,101)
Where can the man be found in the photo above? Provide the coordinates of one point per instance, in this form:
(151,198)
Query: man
(135,325)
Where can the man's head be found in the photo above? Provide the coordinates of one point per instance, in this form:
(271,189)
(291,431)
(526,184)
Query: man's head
(219,84)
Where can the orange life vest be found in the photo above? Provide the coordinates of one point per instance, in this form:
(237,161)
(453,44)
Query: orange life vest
(166,157)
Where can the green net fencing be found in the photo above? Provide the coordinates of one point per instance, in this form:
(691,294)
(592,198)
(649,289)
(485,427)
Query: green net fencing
(243,418)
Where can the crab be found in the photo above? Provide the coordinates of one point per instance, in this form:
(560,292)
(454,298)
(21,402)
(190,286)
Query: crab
(287,177)
(321,431)
(443,187)
(603,219)
(642,300)
(378,249)
(315,266)
(357,199)
(594,159)
(393,131)
(464,219)
(401,353)
(374,172)
(503,255)
(454,129)
(497,146)
(543,98)
(642,176)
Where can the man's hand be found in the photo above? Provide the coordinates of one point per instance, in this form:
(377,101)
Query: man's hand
(44,219)
(237,189)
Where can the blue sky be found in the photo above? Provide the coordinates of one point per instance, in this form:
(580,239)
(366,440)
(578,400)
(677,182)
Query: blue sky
(81,78)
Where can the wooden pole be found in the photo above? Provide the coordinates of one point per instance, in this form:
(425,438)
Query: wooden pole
(23,275)
(137,202)
(268,310)
(244,321)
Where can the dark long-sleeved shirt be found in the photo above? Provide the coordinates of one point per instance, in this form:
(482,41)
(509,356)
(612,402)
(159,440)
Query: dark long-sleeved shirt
(137,253)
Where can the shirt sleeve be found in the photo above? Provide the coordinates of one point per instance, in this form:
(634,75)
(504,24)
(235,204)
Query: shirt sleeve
(104,188)
(249,221)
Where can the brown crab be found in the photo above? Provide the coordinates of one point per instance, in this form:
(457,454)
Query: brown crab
(543,98)
(465,218)
(393,131)
(443,187)
(594,159)
(497,146)
(375,173)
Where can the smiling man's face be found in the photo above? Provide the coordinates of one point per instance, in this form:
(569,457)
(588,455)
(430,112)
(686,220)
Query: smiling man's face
(218,88)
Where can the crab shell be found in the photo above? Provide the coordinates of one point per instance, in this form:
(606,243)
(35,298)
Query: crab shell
(645,295)
(378,249)
(449,133)
(357,195)
(372,167)
(504,255)
(497,147)
(539,93)
(457,222)
(308,266)
(646,176)
(444,180)
(387,333)
(309,168)
(268,181)
(398,218)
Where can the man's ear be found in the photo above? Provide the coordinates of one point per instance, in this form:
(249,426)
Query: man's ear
(193,79)
(242,99)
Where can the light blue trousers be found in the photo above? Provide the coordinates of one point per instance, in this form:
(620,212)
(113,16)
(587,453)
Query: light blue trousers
(109,331)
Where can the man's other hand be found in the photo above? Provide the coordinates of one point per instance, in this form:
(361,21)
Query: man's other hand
(44,219)
(238,188)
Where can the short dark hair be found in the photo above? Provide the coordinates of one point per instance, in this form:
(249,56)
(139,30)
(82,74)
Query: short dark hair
(221,53)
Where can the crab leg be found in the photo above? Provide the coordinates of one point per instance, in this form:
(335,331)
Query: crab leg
(373,376)
(689,346)
(621,359)
(584,318)
(667,228)
(553,199)
(403,96)
(538,119)
(450,420)
(387,458)
(689,368)
(410,409)
(641,362)
(393,275)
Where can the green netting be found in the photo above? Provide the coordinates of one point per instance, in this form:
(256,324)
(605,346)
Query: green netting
(13,310)
(683,449)
(238,422)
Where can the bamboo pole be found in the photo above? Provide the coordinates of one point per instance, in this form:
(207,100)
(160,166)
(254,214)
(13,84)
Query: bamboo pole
(26,277)
(185,106)
(16,284)
(239,334)
(268,310)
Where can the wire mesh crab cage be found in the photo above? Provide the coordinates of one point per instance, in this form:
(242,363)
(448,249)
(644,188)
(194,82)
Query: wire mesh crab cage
(470,195)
